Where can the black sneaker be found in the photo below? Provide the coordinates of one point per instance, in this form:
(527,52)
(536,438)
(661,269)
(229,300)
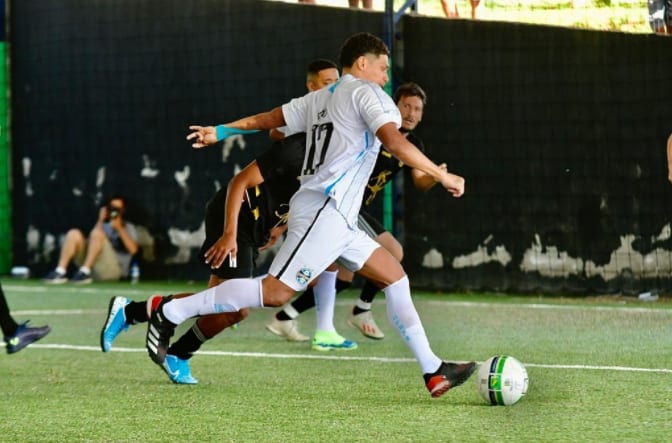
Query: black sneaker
(25,336)
(55,278)
(159,331)
(81,278)
(449,375)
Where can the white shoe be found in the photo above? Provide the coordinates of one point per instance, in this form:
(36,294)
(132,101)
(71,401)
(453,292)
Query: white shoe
(366,324)
(287,329)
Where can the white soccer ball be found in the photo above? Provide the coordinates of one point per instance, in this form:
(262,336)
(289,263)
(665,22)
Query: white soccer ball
(502,380)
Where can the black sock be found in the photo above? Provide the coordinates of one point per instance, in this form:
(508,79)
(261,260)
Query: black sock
(301,304)
(136,312)
(342,285)
(305,301)
(369,291)
(189,343)
(7,323)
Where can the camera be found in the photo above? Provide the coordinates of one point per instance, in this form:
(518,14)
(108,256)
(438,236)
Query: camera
(113,212)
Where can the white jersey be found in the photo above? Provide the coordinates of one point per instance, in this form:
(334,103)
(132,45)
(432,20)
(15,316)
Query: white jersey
(341,147)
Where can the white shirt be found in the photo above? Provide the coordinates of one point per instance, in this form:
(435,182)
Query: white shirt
(341,147)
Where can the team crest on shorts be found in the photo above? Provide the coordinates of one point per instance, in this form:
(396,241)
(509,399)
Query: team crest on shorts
(304,275)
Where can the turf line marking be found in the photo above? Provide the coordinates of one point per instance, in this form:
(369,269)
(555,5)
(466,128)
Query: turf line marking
(429,302)
(59,312)
(347,358)
(158,289)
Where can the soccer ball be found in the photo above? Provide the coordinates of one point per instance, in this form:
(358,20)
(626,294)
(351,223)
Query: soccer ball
(502,380)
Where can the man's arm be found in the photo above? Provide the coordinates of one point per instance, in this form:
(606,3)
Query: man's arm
(423,181)
(249,177)
(669,158)
(203,136)
(405,151)
(130,244)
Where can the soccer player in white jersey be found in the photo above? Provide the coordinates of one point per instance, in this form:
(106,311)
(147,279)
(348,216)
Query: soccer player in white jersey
(342,123)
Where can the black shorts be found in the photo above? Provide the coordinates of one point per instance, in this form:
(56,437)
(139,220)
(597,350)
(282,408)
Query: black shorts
(369,224)
(214,228)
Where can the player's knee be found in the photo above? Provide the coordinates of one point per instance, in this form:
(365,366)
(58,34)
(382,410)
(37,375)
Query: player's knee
(97,233)
(243,313)
(74,235)
(275,293)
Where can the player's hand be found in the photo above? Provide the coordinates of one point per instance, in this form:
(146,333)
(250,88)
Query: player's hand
(223,248)
(202,136)
(453,184)
(275,233)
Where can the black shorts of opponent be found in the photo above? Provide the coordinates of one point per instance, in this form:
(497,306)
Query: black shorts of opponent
(214,228)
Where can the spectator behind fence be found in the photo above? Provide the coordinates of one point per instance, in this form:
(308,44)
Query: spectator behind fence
(366,4)
(660,16)
(450,8)
(107,253)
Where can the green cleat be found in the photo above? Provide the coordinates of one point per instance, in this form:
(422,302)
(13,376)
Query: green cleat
(332,340)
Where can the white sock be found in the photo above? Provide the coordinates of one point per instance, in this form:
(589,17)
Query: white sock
(290,311)
(85,269)
(229,296)
(325,299)
(402,314)
(60,270)
(364,306)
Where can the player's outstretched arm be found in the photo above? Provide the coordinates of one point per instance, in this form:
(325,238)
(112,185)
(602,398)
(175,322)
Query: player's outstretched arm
(405,151)
(202,136)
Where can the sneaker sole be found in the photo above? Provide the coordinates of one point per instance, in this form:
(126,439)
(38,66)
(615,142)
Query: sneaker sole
(327,348)
(364,333)
(279,333)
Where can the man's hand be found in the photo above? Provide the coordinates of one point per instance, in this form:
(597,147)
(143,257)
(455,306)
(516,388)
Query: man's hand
(225,246)
(275,233)
(202,136)
(452,183)
(116,223)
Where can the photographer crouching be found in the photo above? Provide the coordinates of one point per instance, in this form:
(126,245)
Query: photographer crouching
(105,255)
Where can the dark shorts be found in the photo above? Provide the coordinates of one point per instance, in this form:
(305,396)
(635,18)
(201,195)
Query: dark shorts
(369,224)
(214,228)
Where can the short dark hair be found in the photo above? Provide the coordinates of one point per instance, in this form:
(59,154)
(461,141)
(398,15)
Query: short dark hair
(360,44)
(318,65)
(116,196)
(410,89)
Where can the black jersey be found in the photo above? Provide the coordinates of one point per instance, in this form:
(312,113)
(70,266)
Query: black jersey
(280,165)
(387,166)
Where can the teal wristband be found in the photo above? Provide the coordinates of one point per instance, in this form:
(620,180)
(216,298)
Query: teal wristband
(225,131)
